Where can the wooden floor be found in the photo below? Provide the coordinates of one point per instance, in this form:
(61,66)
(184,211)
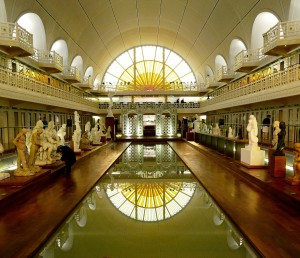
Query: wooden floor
(265,209)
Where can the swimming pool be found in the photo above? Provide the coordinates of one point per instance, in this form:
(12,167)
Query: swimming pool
(148,204)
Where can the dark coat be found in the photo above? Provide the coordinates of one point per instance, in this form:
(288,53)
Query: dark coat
(68,155)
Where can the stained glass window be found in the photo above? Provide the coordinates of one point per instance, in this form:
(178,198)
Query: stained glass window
(149,68)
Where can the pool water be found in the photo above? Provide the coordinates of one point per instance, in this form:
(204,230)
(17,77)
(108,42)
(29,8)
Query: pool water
(148,205)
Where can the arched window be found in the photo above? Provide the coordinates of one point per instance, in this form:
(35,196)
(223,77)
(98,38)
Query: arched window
(149,68)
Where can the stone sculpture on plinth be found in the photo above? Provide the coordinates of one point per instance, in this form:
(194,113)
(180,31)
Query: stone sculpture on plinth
(61,134)
(277,159)
(76,134)
(22,160)
(252,155)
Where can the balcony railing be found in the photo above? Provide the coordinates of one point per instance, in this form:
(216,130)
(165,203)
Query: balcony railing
(285,34)
(50,61)
(177,87)
(13,36)
(23,82)
(247,60)
(235,90)
(147,105)
(225,74)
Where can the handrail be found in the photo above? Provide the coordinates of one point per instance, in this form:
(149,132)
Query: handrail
(21,81)
(235,90)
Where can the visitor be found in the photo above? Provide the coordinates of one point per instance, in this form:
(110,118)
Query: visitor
(265,128)
(68,156)
(45,122)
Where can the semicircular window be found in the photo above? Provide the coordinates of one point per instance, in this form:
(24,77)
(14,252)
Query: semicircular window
(151,201)
(149,68)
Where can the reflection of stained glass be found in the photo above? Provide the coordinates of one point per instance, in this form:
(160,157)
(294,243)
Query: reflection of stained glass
(151,201)
(148,68)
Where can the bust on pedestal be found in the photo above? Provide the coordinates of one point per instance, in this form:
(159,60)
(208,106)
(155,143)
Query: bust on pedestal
(277,159)
(252,154)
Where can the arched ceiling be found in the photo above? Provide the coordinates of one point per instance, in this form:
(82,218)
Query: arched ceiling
(100,30)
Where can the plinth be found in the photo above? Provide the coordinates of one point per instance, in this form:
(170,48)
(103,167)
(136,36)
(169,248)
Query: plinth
(277,166)
(292,180)
(253,156)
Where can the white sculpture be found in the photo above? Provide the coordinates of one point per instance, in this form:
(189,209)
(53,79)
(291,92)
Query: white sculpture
(109,111)
(61,134)
(77,137)
(77,133)
(252,130)
(252,154)
(230,132)
(216,129)
(276,130)
(96,135)
(108,133)
(87,128)
(49,142)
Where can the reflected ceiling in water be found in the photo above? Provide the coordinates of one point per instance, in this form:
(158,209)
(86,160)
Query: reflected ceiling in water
(113,219)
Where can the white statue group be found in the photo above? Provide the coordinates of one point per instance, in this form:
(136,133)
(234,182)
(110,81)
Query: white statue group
(38,147)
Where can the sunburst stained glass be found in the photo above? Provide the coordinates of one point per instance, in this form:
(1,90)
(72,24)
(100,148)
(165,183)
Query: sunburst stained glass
(148,68)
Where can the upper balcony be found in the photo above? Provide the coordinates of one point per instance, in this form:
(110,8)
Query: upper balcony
(225,74)
(211,83)
(49,61)
(180,88)
(282,38)
(85,84)
(15,41)
(277,85)
(71,74)
(247,60)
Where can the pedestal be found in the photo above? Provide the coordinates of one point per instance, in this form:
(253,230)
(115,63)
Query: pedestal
(277,165)
(253,156)
(110,121)
(190,136)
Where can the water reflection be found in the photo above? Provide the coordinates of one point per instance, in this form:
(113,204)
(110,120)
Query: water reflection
(129,215)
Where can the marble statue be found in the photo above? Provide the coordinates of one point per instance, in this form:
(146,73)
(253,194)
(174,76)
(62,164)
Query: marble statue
(49,144)
(61,134)
(230,132)
(216,129)
(77,137)
(96,135)
(76,117)
(252,154)
(87,128)
(85,143)
(252,130)
(108,133)
(276,130)
(34,148)
(280,144)
(109,110)
(22,160)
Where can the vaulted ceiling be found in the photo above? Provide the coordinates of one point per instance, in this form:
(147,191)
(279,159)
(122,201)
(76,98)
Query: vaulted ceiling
(100,30)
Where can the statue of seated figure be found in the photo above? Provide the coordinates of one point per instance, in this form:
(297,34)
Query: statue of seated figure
(85,141)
